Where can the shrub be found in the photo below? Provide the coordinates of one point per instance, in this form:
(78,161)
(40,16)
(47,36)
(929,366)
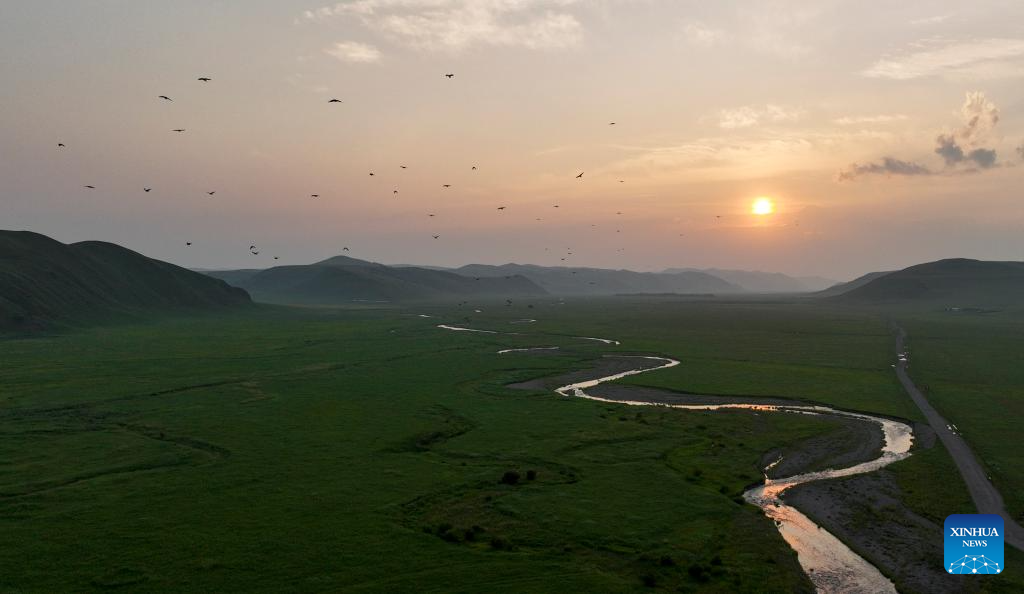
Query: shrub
(510,477)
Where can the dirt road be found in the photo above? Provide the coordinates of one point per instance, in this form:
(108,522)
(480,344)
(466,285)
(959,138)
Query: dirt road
(986,498)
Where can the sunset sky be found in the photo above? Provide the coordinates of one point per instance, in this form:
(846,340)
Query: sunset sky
(885,134)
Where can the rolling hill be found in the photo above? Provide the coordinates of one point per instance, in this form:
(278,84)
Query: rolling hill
(44,282)
(756,281)
(342,279)
(960,283)
(601,281)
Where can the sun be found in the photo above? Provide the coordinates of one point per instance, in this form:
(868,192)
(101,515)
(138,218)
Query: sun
(762,206)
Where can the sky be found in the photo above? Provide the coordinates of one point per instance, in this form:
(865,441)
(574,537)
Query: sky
(885,134)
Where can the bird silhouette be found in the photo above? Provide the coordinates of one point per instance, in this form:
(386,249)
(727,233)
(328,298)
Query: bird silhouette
(188,243)
(204,78)
(344,249)
(147,189)
(556,206)
(446,185)
(178,130)
(314,195)
(430,215)
(371,174)
(622,181)
(403,166)
(611,123)
(501,208)
(474,168)
(60,145)
(335,101)
(394,191)
(91,187)
(436,236)
(580,175)
(449,75)
(212,193)
(276,258)
(165,97)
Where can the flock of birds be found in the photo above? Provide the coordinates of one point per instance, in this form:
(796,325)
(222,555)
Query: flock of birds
(253,250)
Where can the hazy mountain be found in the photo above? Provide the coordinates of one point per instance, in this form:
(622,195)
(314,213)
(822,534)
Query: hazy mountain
(954,283)
(43,281)
(756,281)
(840,288)
(342,279)
(600,281)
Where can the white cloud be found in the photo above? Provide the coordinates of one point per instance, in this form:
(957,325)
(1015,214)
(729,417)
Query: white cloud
(353,51)
(932,20)
(699,34)
(985,58)
(752,115)
(456,25)
(871,119)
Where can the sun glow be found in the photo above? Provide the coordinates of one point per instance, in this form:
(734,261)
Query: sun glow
(762,206)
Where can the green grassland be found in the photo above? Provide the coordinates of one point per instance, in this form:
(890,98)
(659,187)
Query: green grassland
(363,450)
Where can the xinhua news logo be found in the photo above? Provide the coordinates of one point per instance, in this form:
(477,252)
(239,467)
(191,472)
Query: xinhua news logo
(973,544)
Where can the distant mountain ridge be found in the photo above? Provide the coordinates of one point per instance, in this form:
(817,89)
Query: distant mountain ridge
(342,279)
(757,281)
(601,281)
(44,282)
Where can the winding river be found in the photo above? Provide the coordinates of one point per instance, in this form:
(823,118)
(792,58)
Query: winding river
(831,565)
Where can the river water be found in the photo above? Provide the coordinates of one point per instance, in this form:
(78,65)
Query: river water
(831,565)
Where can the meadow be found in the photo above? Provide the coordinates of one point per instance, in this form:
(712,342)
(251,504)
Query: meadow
(367,450)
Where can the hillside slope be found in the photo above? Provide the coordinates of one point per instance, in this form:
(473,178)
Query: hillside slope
(952,283)
(43,282)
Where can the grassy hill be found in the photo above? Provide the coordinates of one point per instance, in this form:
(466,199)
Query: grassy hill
(342,280)
(43,282)
(957,282)
(600,281)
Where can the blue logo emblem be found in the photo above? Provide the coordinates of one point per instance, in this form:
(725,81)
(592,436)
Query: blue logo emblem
(973,544)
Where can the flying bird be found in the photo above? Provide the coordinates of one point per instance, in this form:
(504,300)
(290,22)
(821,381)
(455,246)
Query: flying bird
(371,174)
(204,78)
(556,206)
(580,175)
(344,249)
(501,208)
(403,166)
(91,187)
(335,101)
(449,75)
(446,185)
(314,195)
(178,130)
(474,168)
(147,189)
(436,236)
(60,145)
(394,191)
(611,123)
(276,258)
(212,193)
(164,97)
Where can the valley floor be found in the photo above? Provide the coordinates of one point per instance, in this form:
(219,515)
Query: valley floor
(367,450)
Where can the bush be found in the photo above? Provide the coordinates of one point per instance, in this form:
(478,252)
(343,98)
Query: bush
(510,477)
